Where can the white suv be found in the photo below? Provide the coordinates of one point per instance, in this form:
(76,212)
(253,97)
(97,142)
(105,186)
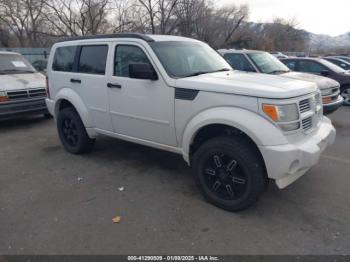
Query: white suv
(177,94)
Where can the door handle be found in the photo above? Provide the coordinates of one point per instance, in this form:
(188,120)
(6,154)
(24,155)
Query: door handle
(75,81)
(110,85)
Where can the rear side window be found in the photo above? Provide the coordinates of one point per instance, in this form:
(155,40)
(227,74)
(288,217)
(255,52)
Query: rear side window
(64,59)
(93,59)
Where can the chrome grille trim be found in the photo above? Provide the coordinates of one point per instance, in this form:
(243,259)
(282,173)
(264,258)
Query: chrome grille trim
(25,94)
(307,123)
(304,105)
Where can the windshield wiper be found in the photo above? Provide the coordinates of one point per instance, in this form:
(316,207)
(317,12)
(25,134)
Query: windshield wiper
(208,72)
(15,71)
(279,71)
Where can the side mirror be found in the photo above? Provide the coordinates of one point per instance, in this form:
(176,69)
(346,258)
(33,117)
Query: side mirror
(325,73)
(142,71)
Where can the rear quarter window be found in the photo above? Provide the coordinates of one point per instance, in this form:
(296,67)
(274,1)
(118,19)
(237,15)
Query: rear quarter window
(64,59)
(93,59)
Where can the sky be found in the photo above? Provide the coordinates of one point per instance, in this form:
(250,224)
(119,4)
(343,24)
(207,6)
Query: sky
(331,17)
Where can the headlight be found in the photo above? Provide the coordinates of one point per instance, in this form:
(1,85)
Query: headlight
(3,96)
(281,113)
(327,92)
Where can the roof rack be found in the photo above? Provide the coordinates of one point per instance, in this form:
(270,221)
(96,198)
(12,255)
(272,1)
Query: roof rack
(117,35)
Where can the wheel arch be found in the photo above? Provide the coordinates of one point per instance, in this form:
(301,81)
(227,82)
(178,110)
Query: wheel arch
(232,121)
(67,97)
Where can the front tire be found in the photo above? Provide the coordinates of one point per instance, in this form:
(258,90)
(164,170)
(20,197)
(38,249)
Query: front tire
(229,172)
(72,132)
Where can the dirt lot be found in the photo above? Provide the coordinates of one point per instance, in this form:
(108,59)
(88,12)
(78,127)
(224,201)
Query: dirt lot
(56,203)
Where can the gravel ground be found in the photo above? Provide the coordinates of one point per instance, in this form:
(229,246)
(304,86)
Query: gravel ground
(56,203)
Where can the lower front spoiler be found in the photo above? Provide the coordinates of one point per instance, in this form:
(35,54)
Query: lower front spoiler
(14,109)
(286,163)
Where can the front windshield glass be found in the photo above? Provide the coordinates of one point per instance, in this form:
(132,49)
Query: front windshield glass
(332,66)
(268,64)
(346,59)
(184,59)
(14,64)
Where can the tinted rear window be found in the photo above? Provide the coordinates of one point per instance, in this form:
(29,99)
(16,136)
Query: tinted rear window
(93,59)
(64,59)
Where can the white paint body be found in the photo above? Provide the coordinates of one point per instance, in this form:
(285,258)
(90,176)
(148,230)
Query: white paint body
(146,111)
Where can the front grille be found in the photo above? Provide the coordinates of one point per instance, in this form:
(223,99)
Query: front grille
(304,105)
(307,123)
(37,92)
(12,95)
(25,94)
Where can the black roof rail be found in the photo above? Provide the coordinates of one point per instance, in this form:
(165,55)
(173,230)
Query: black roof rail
(116,35)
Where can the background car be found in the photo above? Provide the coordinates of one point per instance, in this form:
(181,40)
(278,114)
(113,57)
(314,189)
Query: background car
(40,65)
(345,58)
(263,62)
(339,62)
(279,55)
(322,67)
(22,88)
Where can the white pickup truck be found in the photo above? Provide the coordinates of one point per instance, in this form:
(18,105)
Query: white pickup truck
(236,130)
(22,89)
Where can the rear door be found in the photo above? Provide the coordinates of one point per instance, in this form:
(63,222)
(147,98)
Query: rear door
(90,81)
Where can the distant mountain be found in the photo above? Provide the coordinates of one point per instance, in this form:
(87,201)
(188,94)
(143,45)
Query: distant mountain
(326,41)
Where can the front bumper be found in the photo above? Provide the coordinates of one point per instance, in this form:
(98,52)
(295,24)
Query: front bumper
(18,108)
(50,106)
(331,107)
(286,163)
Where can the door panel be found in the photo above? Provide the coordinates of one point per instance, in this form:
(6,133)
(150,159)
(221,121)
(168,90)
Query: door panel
(140,108)
(91,72)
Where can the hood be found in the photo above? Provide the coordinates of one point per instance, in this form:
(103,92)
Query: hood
(321,81)
(21,81)
(249,84)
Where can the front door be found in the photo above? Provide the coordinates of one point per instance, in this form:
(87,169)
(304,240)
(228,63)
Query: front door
(140,108)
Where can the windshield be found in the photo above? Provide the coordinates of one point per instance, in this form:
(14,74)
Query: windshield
(268,64)
(184,59)
(332,66)
(14,64)
(346,59)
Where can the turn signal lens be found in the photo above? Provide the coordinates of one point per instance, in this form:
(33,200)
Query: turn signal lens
(271,111)
(326,100)
(3,97)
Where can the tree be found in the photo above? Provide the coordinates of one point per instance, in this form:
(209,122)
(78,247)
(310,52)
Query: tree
(160,14)
(23,19)
(76,17)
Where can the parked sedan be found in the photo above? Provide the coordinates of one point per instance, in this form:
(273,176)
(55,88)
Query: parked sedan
(263,62)
(322,67)
(345,58)
(278,55)
(22,88)
(339,62)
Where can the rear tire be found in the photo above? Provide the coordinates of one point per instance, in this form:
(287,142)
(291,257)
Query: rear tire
(72,132)
(229,172)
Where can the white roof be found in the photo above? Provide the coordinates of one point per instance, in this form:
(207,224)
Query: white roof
(160,38)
